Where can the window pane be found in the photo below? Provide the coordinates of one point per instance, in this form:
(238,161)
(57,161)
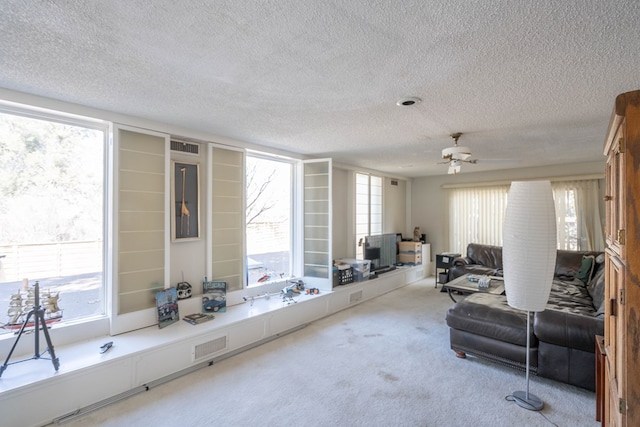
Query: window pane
(51,187)
(268,219)
(368,209)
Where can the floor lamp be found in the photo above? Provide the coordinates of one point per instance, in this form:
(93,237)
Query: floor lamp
(529,258)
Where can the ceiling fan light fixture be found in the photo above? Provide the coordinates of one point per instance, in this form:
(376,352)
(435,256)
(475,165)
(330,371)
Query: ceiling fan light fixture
(454,167)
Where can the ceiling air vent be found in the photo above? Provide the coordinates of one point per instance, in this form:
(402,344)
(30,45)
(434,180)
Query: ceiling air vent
(185,147)
(394,182)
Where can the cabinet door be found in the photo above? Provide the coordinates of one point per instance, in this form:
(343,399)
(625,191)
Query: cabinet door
(141,224)
(615,206)
(316,234)
(620,202)
(614,337)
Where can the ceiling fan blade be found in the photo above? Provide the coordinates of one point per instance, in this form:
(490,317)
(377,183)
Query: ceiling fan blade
(456,152)
(496,161)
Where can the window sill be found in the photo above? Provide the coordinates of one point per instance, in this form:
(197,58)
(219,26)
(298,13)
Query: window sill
(86,354)
(140,359)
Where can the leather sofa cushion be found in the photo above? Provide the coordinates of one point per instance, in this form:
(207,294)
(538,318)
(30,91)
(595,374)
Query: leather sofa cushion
(596,289)
(567,330)
(571,296)
(569,317)
(568,263)
(490,316)
(485,255)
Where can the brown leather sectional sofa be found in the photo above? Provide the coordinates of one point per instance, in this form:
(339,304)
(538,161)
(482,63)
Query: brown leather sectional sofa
(562,338)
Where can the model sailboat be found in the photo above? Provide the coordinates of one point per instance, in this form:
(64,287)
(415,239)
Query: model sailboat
(21,303)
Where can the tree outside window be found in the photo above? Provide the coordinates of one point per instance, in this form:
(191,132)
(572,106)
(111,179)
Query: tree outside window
(51,217)
(268,219)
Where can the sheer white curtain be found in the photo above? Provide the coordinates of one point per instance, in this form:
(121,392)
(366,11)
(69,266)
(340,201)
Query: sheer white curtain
(476,215)
(578,215)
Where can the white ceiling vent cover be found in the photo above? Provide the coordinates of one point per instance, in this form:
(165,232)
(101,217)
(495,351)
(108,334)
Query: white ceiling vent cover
(185,147)
(208,348)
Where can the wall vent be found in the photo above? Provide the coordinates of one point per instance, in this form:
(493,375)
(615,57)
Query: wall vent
(208,348)
(185,147)
(394,182)
(355,296)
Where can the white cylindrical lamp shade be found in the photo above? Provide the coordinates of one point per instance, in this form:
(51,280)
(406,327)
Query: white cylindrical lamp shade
(529,245)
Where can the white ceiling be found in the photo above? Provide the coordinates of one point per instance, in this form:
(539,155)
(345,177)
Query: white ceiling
(531,82)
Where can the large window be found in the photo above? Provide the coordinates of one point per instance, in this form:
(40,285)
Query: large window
(268,219)
(368,209)
(476,215)
(51,216)
(578,211)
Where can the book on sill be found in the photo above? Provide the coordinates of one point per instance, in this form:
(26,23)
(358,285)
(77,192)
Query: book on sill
(167,307)
(214,297)
(197,318)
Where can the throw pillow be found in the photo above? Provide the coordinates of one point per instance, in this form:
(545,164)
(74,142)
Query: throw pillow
(600,312)
(586,268)
(597,292)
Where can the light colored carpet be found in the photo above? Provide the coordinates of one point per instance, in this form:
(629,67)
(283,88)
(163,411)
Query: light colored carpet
(385,362)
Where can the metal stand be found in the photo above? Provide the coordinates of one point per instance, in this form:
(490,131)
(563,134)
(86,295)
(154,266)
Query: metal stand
(525,399)
(38,313)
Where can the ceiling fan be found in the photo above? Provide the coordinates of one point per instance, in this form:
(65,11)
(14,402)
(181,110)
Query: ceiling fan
(456,155)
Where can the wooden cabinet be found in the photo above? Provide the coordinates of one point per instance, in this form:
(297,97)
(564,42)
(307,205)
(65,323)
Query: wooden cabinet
(622,315)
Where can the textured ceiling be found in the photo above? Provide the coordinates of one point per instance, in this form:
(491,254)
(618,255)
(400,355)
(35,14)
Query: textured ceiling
(528,83)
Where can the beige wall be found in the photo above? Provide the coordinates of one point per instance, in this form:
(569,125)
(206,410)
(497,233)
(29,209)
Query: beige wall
(395,206)
(342,236)
(429,209)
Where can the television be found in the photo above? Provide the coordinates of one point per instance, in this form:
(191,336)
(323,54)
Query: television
(381,250)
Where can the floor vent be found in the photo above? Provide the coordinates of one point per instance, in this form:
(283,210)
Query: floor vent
(209,348)
(355,296)
(185,147)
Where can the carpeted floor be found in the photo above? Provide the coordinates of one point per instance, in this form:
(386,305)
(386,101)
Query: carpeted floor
(385,362)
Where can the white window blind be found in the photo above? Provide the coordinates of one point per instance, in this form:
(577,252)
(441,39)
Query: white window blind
(476,215)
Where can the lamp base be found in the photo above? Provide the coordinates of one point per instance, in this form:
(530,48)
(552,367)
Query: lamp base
(530,401)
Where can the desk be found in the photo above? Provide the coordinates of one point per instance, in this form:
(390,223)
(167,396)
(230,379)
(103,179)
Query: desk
(444,261)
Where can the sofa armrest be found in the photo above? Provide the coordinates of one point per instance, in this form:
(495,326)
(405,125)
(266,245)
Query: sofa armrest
(567,329)
(463,260)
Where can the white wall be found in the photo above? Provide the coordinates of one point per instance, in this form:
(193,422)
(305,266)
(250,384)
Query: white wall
(341,208)
(188,259)
(395,206)
(429,209)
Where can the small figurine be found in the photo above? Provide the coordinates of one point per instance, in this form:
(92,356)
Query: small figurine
(288,293)
(416,234)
